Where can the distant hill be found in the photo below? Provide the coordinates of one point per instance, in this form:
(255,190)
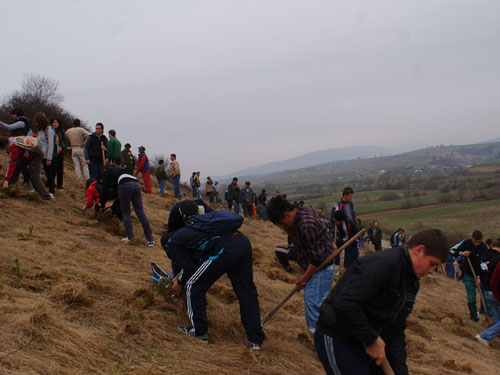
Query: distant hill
(323,156)
(492,140)
(428,160)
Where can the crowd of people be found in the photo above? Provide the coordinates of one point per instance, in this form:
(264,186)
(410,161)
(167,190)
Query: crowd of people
(356,325)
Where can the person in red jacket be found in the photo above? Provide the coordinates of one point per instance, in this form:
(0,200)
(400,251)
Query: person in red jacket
(93,194)
(143,167)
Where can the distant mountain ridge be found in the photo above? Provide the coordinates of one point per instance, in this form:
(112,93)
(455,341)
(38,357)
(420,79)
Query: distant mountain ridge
(323,156)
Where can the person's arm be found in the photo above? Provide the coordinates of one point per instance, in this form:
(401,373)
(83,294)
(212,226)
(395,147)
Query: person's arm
(14,126)
(182,257)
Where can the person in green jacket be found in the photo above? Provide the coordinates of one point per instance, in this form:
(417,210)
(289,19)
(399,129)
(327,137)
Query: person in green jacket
(115,147)
(127,159)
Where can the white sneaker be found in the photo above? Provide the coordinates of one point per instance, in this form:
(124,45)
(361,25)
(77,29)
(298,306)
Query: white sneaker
(126,239)
(52,196)
(482,341)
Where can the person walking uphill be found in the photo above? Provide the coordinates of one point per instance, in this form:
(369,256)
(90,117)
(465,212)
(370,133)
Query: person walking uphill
(174,171)
(363,319)
(312,245)
(77,137)
(225,251)
(346,205)
(143,167)
(490,280)
(94,150)
(18,128)
(473,248)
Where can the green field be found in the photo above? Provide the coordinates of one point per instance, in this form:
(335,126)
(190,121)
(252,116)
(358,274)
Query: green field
(370,201)
(456,219)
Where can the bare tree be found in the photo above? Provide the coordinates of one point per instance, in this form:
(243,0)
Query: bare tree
(42,90)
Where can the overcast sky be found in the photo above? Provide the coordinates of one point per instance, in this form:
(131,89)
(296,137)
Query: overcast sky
(233,84)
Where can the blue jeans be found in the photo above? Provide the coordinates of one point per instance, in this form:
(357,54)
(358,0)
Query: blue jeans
(197,191)
(175,183)
(163,184)
(317,288)
(237,208)
(263,212)
(494,330)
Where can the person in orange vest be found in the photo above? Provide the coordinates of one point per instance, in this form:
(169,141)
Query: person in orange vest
(143,167)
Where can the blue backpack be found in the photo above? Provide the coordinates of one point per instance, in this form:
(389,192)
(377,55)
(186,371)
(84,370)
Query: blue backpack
(216,223)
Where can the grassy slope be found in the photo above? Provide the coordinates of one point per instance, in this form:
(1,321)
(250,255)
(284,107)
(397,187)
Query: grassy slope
(83,303)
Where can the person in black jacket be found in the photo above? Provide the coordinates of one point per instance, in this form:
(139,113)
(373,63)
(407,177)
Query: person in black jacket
(473,248)
(202,266)
(95,148)
(363,319)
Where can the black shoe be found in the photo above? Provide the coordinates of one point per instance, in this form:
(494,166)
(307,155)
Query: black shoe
(189,331)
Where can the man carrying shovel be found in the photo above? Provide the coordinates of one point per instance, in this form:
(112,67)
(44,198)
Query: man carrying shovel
(313,246)
(363,320)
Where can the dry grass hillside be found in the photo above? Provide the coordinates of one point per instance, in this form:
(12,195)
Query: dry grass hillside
(75,300)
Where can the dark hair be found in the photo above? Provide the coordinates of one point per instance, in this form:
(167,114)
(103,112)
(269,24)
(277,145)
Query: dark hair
(263,191)
(433,239)
(161,161)
(347,190)
(175,156)
(358,221)
(76,122)
(283,195)
(495,242)
(277,207)
(40,122)
(339,215)
(17,111)
(247,183)
(235,178)
(477,235)
(55,119)
(127,145)
(112,132)
(100,124)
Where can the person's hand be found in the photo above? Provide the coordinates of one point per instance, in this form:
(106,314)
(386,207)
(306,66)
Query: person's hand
(176,288)
(59,149)
(376,351)
(84,208)
(335,247)
(465,253)
(478,281)
(69,148)
(103,147)
(48,163)
(87,161)
(301,283)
